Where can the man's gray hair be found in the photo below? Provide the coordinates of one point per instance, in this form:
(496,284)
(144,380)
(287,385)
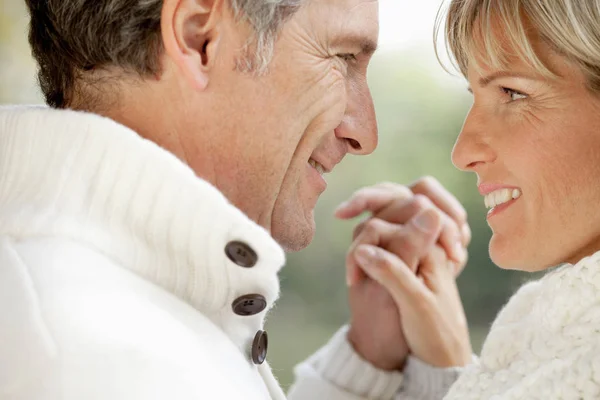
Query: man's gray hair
(266,17)
(69,38)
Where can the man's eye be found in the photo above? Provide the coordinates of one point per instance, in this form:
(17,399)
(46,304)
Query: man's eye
(513,94)
(348,57)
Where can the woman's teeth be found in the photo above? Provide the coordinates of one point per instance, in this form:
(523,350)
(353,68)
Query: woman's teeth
(317,166)
(501,196)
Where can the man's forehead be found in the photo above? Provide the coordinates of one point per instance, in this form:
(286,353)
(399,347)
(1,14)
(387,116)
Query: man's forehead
(355,21)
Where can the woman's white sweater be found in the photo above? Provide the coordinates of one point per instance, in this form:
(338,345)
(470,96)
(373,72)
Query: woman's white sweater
(545,344)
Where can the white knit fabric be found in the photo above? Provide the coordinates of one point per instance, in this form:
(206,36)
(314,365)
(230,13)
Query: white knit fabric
(114,282)
(545,343)
(337,372)
(426,382)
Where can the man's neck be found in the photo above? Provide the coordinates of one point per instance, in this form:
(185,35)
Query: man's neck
(153,120)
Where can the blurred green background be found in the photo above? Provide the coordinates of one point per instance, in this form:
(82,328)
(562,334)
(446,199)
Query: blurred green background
(420,111)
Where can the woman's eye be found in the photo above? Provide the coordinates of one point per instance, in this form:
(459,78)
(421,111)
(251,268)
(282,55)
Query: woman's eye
(514,95)
(347,57)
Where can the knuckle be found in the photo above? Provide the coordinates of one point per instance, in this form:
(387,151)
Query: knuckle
(467,234)
(373,225)
(452,228)
(386,184)
(403,192)
(463,264)
(437,254)
(422,202)
(425,182)
(360,193)
(439,257)
(462,214)
(365,191)
(430,181)
(398,189)
(459,214)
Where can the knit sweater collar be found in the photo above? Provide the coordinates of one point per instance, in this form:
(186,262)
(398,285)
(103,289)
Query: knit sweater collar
(556,300)
(546,331)
(89,179)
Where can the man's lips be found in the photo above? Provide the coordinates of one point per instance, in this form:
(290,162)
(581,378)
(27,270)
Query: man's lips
(326,162)
(318,166)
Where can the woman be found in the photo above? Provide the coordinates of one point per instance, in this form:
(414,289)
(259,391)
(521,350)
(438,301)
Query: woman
(532,137)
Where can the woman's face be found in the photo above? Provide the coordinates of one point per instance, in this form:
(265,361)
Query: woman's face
(534,144)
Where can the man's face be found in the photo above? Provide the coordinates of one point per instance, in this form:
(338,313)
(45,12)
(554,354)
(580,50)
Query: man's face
(309,110)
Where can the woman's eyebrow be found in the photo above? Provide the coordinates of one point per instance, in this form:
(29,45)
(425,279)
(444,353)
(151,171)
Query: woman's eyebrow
(486,80)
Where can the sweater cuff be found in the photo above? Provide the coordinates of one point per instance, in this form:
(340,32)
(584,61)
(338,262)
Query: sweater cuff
(339,364)
(423,381)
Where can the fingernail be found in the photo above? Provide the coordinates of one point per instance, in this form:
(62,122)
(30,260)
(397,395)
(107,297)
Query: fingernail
(426,221)
(365,255)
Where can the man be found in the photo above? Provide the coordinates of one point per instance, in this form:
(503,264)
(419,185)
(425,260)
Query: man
(137,215)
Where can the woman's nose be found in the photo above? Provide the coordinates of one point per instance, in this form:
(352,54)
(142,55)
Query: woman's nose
(472,148)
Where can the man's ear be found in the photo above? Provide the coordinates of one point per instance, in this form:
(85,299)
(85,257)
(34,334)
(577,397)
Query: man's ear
(190,33)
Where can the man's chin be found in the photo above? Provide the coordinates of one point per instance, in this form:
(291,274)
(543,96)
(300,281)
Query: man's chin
(294,235)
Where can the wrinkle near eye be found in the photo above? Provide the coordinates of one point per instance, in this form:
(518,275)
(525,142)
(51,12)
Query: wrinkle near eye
(340,66)
(535,113)
(532,118)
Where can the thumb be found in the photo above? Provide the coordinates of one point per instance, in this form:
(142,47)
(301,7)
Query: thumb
(420,234)
(427,222)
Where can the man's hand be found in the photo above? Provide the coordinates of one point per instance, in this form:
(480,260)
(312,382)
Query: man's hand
(376,330)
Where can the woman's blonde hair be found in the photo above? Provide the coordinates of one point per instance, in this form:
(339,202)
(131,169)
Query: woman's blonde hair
(496,31)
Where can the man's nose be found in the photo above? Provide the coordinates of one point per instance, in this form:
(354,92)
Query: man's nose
(359,125)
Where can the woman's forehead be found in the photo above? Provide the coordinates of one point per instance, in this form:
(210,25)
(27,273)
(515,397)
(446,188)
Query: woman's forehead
(496,44)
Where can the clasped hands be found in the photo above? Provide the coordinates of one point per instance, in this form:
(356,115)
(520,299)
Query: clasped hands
(401,270)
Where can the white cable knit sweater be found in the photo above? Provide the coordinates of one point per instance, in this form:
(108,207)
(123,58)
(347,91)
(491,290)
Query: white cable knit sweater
(115,282)
(545,343)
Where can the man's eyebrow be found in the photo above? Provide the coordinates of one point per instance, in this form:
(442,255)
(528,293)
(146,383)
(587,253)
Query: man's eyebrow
(367,45)
(486,80)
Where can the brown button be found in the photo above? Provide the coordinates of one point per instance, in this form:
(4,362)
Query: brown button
(259,347)
(241,254)
(250,304)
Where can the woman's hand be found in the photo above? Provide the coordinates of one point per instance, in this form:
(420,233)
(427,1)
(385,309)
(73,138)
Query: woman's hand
(431,313)
(396,204)
(376,329)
